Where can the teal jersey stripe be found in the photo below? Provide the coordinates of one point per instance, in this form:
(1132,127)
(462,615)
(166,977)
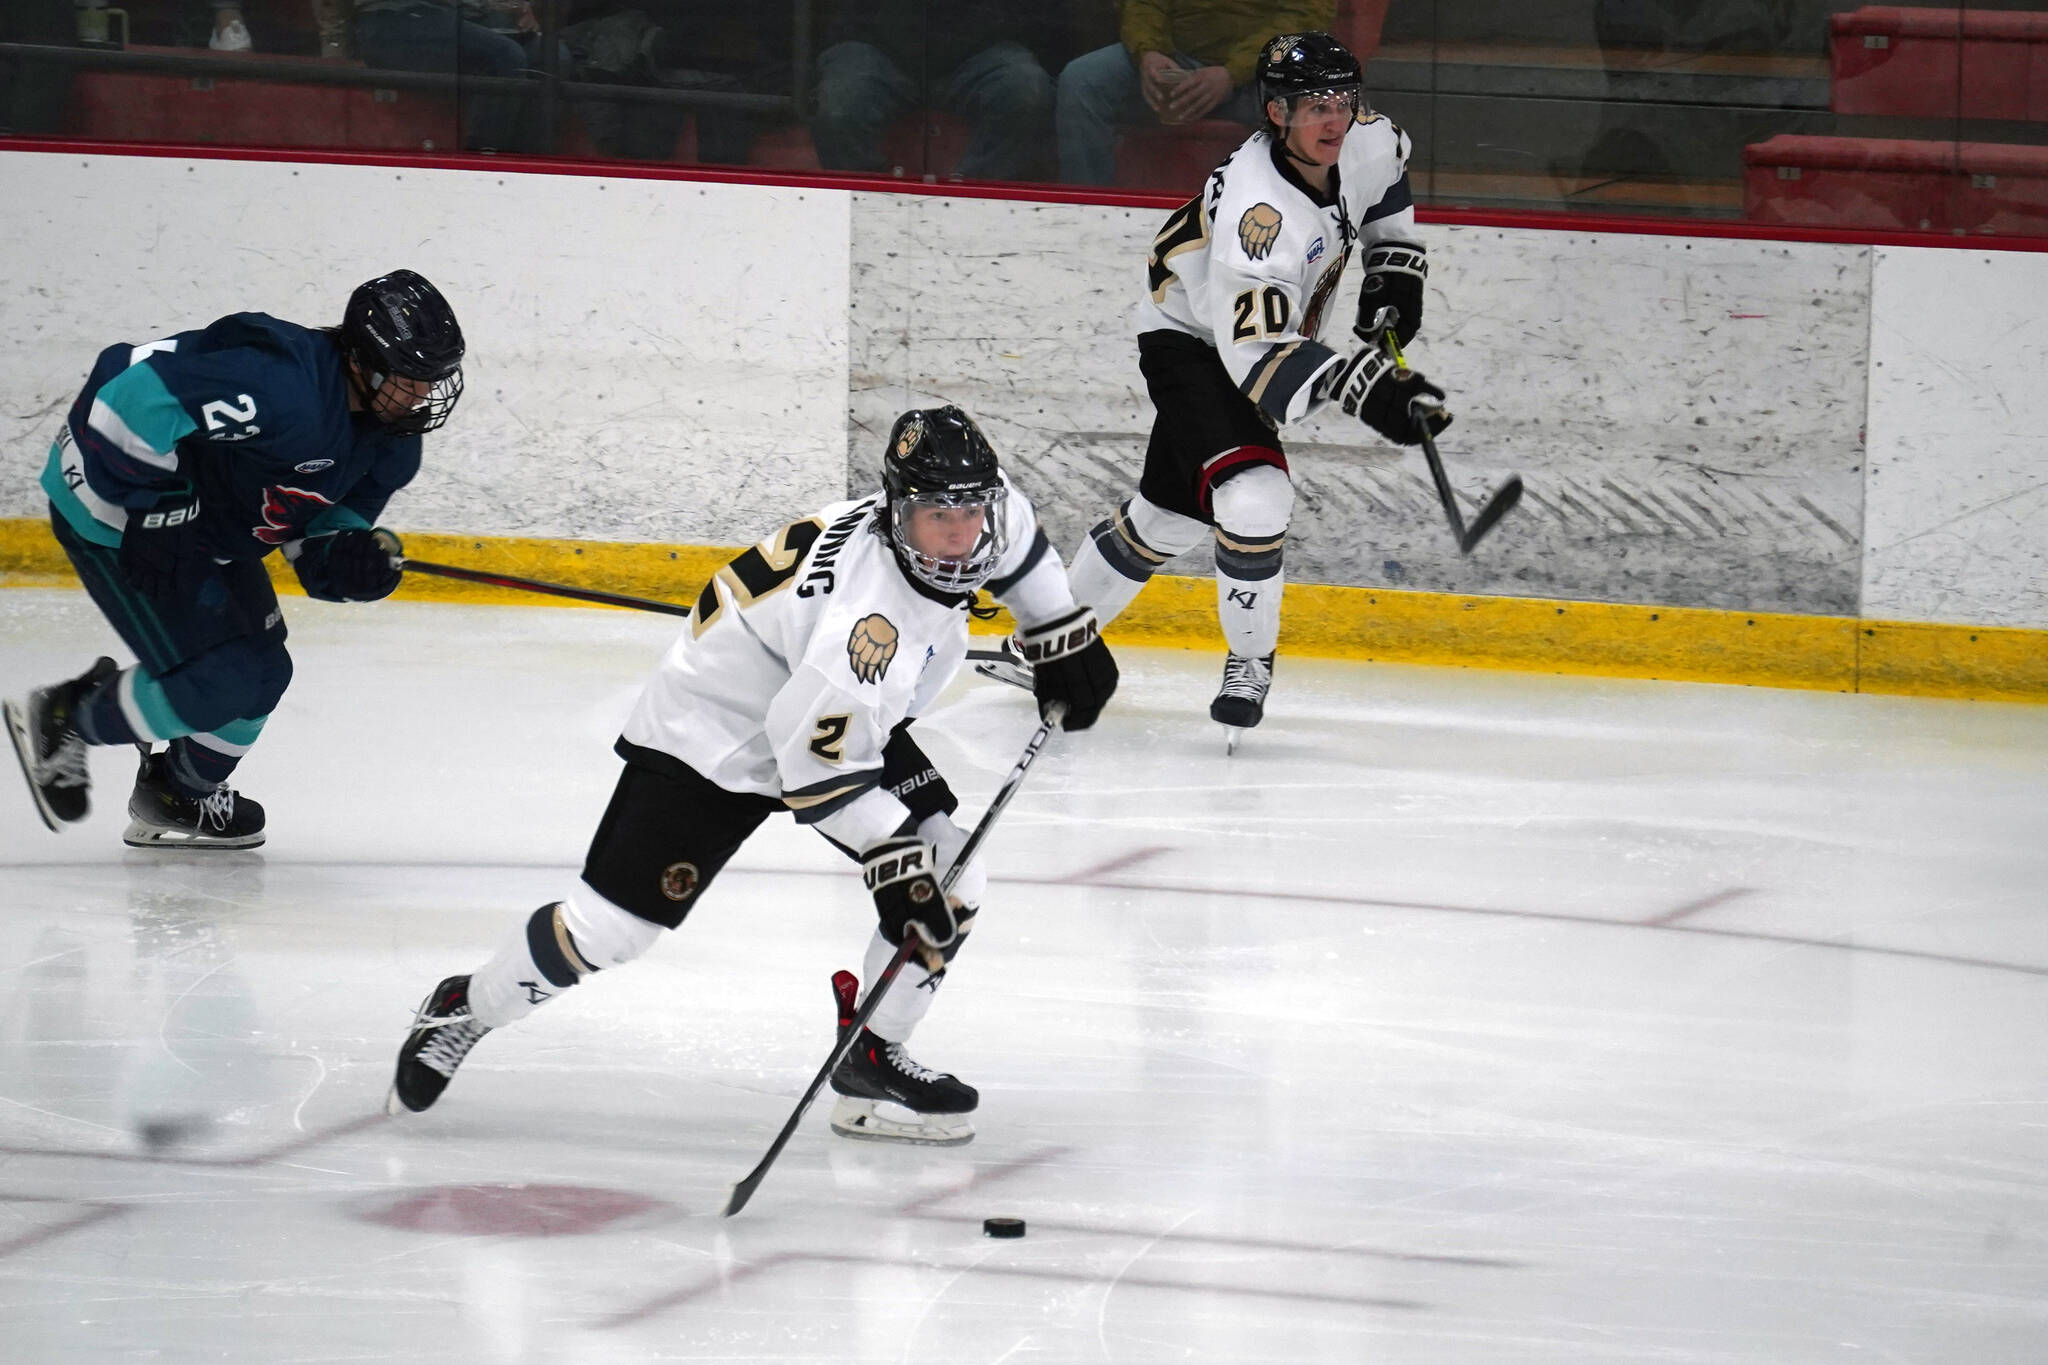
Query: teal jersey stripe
(148,409)
(74,511)
(152,707)
(240,733)
(336,518)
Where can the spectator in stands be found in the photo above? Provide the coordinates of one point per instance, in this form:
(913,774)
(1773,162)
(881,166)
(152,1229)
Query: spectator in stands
(487,38)
(1179,61)
(883,58)
(230,34)
(697,45)
(33,94)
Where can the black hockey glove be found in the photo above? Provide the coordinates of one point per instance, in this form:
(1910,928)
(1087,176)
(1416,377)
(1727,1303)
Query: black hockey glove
(359,565)
(902,875)
(1069,665)
(1377,392)
(349,566)
(161,555)
(1395,273)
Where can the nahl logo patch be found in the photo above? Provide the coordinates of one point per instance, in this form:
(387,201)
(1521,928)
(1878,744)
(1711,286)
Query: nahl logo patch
(1258,230)
(871,647)
(679,881)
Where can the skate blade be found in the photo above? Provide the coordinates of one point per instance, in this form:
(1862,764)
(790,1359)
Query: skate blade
(393,1105)
(140,835)
(1231,735)
(1005,673)
(17,731)
(863,1121)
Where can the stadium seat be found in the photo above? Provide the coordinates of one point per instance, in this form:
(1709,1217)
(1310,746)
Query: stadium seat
(1893,183)
(1939,63)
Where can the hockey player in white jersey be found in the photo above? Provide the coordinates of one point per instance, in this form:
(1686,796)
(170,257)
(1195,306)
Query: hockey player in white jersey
(1231,344)
(793,687)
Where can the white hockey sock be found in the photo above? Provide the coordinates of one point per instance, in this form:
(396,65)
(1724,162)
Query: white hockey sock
(557,946)
(906,1001)
(1250,612)
(1120,555)
(1252,512)
(1100,586)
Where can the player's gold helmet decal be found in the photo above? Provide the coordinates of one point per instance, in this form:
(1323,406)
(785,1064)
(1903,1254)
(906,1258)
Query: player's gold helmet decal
(913,432)
(1258,230)
(871,646)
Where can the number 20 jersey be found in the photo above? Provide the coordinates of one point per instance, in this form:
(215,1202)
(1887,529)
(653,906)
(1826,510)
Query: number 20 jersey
(1251,264)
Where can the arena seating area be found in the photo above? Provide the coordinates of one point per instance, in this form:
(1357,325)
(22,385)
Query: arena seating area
(1914,118)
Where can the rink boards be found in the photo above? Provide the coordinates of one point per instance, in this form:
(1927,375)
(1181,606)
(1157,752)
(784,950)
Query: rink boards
(1797,463)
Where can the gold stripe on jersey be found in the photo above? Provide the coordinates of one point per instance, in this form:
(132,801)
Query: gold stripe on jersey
(1186,229)
(1262,372)
(756,572)
(709,607)
(813,803)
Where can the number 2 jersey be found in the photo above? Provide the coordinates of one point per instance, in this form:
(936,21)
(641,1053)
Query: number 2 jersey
(250,412)
(1250,265)
(805,652)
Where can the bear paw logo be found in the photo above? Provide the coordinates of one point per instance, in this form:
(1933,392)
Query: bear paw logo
(871,646)
(1258,230)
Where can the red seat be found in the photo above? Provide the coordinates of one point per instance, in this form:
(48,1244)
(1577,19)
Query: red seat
(930,142)
(152,106)
(1894,183)
(1940,63)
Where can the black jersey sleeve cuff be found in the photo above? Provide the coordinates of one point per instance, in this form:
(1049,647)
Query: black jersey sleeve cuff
(1039,547)
(821,800)
(1397,197)
(1281,374)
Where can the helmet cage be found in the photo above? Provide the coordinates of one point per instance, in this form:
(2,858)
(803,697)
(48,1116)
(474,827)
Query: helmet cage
(402,408)
(964,573)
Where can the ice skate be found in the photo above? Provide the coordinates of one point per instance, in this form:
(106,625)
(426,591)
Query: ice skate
(442,1034)
(163,815)
(1003,664)
(885,1096)
(1241,702)
(51,750)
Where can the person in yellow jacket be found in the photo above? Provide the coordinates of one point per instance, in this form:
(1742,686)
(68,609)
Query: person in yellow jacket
(1178,61)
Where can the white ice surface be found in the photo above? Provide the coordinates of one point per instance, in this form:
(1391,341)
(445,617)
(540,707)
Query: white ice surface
(1461,1016)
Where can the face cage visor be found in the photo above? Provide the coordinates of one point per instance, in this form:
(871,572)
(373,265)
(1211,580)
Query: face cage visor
(950,573)
(1316,104)
(410,406)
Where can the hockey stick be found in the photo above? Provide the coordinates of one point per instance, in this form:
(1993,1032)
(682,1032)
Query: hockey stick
(505,580)
(1499,505)
(744,1190)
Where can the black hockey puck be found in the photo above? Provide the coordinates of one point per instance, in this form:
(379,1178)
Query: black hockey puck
(1002,1227)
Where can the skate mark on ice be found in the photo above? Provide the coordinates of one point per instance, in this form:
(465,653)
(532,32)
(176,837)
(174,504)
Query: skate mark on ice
(1704,903)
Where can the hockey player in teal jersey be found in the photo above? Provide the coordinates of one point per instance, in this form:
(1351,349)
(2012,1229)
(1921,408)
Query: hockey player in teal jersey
(182,465)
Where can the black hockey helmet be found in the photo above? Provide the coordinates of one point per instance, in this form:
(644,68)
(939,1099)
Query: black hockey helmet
(399,325)
(1297,64)
(938,458)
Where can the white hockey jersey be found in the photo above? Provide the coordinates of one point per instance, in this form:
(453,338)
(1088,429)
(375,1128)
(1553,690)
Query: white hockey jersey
(1249,265)
(804,652)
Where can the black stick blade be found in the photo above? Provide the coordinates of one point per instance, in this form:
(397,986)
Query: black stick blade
(1502,503)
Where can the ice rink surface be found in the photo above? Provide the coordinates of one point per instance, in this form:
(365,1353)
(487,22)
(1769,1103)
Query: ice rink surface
(1460,1016)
